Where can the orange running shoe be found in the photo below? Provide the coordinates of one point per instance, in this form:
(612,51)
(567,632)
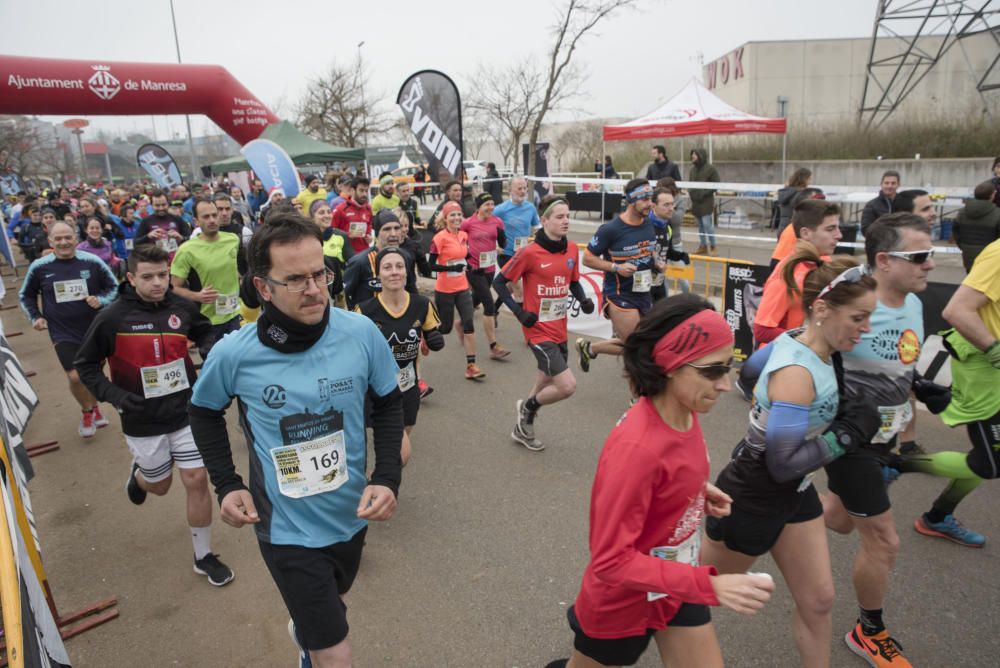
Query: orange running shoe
(473,372)
(879,650)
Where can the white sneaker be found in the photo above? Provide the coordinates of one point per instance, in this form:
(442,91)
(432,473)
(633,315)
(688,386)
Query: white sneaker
(87,428)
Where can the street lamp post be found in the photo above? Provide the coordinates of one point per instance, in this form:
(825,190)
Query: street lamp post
(187,118)
(364,109)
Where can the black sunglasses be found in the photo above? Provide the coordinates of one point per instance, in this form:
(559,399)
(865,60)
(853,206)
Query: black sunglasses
(712,371)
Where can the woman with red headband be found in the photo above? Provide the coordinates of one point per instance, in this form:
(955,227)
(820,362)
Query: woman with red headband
(449,256)
(649,496)
(798,424)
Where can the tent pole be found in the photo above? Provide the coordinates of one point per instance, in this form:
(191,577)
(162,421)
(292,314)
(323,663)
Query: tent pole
(710,160)
(784,154)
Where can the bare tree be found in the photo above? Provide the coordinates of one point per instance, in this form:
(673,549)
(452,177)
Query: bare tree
(578,18)
(31,148)
(509,97)
(339,107)
(582,144)
(475,134)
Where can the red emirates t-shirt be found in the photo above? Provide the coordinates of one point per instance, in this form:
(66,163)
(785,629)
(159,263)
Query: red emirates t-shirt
(648,499)
(546,279)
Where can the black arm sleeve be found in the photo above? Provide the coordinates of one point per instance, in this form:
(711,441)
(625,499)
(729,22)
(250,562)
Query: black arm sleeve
(210,435)
(575,289)
(433,264)
(387,434)
(501,238)
(500,287)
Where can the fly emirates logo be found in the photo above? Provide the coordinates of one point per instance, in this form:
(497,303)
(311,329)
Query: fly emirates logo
(559,289)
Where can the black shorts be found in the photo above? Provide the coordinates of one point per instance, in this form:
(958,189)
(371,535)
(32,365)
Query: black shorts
(857,479)
(552,357)
(752,534)
(311,582)
(411,405)
(447,302)
(480,282)
(629,301)
(66,352)
(503,259)
(984,458)
(626,651)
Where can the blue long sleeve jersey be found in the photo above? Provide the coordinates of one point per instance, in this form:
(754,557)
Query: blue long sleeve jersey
(64,286)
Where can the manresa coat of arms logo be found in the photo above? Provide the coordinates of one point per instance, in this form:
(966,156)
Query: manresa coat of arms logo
(103,83)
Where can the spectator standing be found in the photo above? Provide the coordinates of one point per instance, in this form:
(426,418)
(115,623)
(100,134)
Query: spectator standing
(884,202)
(978,223)
(662,166)
(703,201)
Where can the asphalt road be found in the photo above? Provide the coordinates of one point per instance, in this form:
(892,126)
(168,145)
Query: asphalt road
(481,560)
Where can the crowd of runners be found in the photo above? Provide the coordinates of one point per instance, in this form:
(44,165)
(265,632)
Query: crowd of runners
(306,311)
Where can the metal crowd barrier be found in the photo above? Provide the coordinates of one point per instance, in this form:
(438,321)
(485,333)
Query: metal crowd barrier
(706,274)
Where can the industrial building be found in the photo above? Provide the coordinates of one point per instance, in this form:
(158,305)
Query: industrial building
(820,83)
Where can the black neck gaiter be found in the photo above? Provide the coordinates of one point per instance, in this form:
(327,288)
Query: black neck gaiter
(286,335)
(550,245)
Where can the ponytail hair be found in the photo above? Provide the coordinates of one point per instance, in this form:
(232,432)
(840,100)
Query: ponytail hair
(823,273)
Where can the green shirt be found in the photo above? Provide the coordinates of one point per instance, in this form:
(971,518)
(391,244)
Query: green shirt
(215,264)
(380,201)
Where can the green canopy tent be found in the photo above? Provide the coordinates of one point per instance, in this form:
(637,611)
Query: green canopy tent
(301,148)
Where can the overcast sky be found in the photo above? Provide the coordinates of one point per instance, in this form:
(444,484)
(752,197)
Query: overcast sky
(635,61)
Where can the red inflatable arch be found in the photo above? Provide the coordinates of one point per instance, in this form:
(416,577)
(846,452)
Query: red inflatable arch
(101,88)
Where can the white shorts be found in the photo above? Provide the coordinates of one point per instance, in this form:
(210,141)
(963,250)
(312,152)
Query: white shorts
(156,455)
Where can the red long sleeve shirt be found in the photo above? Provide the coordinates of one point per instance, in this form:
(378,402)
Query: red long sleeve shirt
(649,492)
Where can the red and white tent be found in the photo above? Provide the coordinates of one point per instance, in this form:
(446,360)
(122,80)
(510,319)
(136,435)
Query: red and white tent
(694,110)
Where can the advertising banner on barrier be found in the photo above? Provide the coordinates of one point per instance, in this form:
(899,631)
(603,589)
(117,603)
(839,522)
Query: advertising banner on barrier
(744,289)
(18,401)
(272,166)
(433,110)
(159,164)
(594,324)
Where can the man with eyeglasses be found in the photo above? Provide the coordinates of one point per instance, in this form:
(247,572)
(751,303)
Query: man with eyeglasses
(881,369)
(301,375)
(625,250)
(208,262)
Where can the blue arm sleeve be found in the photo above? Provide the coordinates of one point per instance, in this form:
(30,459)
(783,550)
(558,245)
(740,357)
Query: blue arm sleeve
(788,454)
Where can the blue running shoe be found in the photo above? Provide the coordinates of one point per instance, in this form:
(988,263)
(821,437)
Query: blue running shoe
(951,529)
